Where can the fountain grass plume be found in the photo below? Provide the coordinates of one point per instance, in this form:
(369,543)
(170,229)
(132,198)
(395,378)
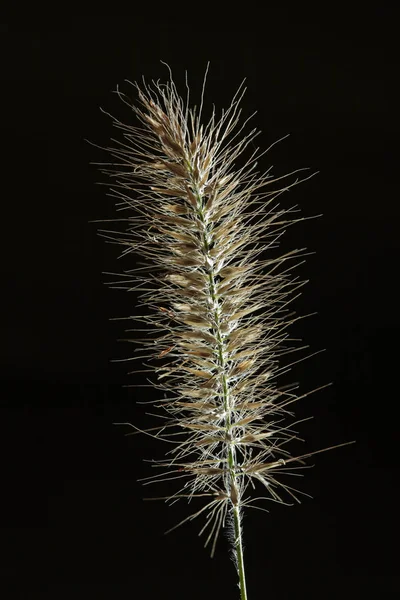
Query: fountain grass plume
(204,223)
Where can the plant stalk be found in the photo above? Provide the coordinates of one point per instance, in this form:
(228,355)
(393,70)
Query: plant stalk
(239,553)
(231,485)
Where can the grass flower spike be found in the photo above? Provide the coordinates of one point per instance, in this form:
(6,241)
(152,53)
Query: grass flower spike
(214,300)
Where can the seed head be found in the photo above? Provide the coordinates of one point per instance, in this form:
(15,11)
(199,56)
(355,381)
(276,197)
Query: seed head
(204,222)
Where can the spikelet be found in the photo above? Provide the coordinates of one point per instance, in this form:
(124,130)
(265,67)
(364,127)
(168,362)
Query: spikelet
(216,296)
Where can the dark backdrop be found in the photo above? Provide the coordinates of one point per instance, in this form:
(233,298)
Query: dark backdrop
(73,523)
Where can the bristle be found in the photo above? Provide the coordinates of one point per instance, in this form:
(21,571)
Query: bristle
(204,229)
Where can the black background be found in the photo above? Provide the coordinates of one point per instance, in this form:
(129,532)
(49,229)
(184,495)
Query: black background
(73,523)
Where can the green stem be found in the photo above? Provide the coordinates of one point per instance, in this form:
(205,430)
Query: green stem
(231,453)
(239,553)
